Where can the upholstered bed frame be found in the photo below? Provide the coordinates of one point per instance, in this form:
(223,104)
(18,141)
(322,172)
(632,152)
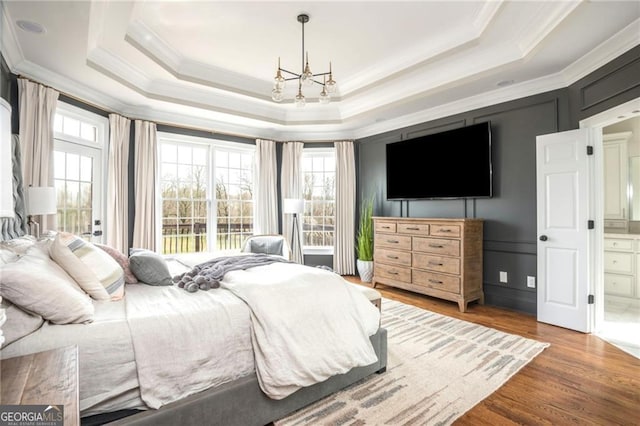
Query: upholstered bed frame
(241,402)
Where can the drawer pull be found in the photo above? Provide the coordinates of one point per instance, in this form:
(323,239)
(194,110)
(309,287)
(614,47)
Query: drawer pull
(393,273)
(435,281)
(386,227)
(413,229)
(435,264)
(436,245)
(444,230)
(393,241)
(392,257)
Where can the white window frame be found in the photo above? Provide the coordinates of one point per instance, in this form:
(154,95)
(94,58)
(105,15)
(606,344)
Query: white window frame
(320,250)
(176,138)
(65,142)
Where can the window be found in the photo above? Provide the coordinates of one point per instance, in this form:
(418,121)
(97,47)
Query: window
(319,171)
(197,174)
(79,140)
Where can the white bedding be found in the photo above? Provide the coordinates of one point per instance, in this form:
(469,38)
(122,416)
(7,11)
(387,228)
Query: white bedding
(107,367)
(187,342)
(160,344)
(308,324)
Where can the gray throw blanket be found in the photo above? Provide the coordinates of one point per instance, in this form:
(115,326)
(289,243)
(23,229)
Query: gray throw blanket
(207,275)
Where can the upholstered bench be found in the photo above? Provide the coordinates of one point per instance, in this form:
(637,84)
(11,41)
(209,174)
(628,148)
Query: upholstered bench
(373,295)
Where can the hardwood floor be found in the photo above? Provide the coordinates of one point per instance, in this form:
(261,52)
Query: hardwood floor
(580,379)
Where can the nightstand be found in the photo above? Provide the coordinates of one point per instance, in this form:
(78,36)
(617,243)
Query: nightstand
(43,378)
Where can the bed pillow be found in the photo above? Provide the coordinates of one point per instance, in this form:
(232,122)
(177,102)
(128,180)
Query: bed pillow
(149,267)
(37,284)
(18,323)
(266,245)
(93,269)
(122,260)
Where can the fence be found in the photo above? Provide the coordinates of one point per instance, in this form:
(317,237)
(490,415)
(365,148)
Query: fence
(192,237)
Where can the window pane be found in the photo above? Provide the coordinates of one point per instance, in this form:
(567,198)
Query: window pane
(73,167)
(184,155)
(71,126)
(57,123)
(200,156)
(85,195)
(58,164)
(88,132)
(319,194)
(86,168)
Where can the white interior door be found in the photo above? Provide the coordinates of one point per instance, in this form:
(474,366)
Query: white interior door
(564,208)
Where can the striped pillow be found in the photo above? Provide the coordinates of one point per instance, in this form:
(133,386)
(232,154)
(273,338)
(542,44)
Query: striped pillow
(93,269)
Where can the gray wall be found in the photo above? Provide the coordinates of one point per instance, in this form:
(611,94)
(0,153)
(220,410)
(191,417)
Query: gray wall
(510,215)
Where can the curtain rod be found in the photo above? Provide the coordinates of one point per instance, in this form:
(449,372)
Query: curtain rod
(162,123)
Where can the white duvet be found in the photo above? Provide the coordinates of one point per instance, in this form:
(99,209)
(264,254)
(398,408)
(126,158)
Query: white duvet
(307,324)
(293,325)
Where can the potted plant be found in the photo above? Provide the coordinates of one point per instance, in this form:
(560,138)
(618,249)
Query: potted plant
(364,241)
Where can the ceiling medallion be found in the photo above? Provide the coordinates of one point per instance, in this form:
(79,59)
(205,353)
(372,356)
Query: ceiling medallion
(306,77)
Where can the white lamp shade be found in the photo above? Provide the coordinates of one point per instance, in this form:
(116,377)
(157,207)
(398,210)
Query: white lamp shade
(293,205)
(6,166)
(41,200)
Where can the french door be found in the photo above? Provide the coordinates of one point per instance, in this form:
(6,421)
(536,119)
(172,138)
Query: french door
(78,181)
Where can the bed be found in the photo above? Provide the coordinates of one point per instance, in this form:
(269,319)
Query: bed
(157,354)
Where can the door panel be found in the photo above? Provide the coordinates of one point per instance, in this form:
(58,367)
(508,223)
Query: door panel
(563,210)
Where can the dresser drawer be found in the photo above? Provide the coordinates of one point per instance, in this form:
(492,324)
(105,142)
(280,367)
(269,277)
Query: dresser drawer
(397,273)
(402,242)
(393,257)
(618,244)
(618,262)
(385,226)
(449,265)
(445,230)
(413,228)
(437,281)
(437,246)
(619,285)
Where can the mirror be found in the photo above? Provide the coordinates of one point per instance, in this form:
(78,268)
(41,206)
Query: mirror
(634,188)
(622,173)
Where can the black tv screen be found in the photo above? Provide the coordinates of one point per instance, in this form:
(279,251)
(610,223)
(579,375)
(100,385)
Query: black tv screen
(451,164)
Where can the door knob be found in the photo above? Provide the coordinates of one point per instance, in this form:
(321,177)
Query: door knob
(543,238)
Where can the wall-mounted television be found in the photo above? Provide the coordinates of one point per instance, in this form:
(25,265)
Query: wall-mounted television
(451,164)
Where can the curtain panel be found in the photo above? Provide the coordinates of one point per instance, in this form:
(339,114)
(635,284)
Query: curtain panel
(291,187)
(37,107)
(117,183)
(344,237)
(146,170)
(265,205)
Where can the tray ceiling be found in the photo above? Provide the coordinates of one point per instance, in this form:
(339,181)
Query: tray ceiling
(211,64)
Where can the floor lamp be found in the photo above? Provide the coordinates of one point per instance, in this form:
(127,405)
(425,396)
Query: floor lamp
(294,206)
(41,200)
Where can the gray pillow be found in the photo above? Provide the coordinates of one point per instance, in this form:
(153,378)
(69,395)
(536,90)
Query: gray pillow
(149,267)
(267,245)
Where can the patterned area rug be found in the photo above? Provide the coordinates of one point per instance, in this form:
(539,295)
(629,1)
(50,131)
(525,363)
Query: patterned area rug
(438,368)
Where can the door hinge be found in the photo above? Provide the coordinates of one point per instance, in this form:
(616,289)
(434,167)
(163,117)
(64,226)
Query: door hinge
(590,299)
(591,224)
(589,149)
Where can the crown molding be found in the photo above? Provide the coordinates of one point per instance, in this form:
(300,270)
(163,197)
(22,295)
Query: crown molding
(605,52)
(11,50)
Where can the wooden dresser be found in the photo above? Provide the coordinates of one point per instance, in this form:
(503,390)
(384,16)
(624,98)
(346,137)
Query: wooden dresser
(436,257)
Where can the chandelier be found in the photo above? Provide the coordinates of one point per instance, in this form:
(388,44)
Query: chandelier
(306,77)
